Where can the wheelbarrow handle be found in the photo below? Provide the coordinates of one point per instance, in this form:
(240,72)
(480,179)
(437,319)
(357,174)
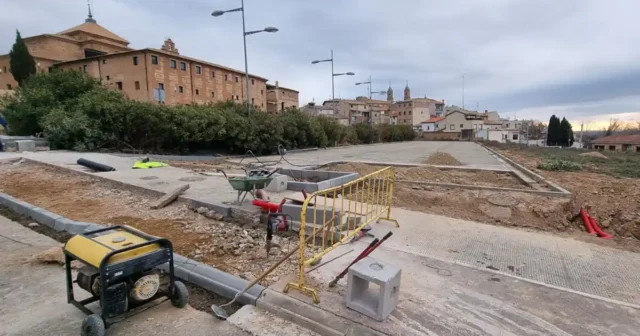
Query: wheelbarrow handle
(222,171)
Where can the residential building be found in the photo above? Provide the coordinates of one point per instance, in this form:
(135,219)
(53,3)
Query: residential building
(619,142)
(161,75)
(280,98)
(413,111)
(360,110)
(431,124)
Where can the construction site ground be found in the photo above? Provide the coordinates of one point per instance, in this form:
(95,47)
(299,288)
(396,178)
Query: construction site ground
(460,228)
(34,300)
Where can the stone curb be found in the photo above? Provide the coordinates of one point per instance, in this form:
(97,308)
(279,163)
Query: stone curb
(479,187)
(205,276)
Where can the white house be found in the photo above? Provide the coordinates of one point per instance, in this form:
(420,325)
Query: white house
(430,125)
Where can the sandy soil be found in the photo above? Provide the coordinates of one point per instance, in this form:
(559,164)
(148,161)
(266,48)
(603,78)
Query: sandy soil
(433,174)
(613,201)
(513,209)
(227,246)
(444,159)
(208,166)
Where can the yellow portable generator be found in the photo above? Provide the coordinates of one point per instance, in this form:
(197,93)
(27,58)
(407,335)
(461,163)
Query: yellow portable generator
(119,271)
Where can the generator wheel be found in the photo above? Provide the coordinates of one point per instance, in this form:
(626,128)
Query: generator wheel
(93,325)
(180,295)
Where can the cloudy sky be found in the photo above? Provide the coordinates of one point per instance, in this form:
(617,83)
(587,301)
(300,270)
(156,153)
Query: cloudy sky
(575,58)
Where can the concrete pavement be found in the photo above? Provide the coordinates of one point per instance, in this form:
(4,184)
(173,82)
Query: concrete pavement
(442,298)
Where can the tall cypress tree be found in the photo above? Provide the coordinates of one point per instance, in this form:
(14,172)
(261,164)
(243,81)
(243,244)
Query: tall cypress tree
(553,131)
(565,130)
(21,62)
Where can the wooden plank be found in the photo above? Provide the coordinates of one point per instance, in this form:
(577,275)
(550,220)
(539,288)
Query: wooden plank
(169,197)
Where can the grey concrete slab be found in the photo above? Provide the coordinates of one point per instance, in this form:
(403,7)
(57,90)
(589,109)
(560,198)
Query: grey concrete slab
(442,298)
(468,153)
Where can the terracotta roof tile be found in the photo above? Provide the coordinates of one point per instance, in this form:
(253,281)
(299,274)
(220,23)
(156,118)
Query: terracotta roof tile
(626,139)
(96,29)
(433,119)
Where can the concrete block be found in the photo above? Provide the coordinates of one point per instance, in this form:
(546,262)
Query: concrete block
(26,145)
(279,183)
(377,304)
(43,216)
(294,210)
(15,204)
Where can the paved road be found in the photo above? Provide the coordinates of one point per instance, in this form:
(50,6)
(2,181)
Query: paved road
(444,298)
(33,299)
(468,153)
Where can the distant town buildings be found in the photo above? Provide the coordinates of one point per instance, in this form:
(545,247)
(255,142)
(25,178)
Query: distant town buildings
(160,75)
(618,142)
(280,98)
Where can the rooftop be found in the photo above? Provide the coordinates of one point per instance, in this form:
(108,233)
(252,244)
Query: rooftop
(625,139)
(93,28)
(433,120)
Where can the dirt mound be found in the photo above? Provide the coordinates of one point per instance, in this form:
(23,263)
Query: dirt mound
(443,159)
(594,154)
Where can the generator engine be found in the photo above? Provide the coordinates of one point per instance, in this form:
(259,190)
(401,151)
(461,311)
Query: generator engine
(276,222)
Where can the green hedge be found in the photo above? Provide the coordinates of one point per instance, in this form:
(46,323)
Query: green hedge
(75,112)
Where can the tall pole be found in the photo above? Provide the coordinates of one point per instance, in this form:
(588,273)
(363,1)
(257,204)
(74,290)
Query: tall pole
(581,132)
(246,63)
(333,95)
(463,91)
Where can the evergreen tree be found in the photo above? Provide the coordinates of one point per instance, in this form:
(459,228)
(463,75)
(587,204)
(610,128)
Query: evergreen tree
(553,131)
(21,62)
(563,136)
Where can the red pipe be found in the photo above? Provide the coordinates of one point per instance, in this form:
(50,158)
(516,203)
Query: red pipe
(271,207)
(585,219)
(597,228)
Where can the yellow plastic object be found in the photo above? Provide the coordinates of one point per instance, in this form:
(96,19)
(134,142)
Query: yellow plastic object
(92,250)
(148,164)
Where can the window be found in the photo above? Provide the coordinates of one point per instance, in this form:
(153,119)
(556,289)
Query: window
(237,97)
(197,92)
(236,79)
(515,137)
(8,86)
(409,112)
(135,60)
(475,126)
(161,86)
(183,66)
(172,64)
(137,84)
(261,92)
(507,125)
(213,74)
(452,127)
(108,78)
(461,126)
(104,61)
(282,106)
(84,68)
(119,84)
(198,69)
(252,82)
(213,94)
(612,148)
(253,101)
(154,59)
(180,89)
(4,69)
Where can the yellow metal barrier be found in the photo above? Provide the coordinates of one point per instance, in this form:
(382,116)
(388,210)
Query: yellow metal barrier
(338,214)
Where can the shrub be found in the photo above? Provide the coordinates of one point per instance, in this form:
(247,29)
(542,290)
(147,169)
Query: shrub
(560,165)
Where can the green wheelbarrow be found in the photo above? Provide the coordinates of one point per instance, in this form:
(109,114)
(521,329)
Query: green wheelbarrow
(247,184)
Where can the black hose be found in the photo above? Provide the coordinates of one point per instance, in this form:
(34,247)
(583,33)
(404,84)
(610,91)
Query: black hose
(94,165)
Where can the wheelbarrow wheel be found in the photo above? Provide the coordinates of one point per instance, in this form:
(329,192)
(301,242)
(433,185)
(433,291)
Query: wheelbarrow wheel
(93,325)
(180,295)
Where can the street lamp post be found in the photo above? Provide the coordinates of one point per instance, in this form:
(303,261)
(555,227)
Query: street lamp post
(244,40)
(333,74)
